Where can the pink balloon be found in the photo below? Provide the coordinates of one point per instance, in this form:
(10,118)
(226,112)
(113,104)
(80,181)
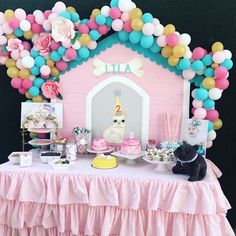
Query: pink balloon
(197,103)
(221,84)
(3,40)
(45,70)
(44,76)
(92,45)
(193,92)
(125,16)
(161,41)
(30,18)
(71,53)
(15,55)
(19,64)
(209,144)
(103,29)
(2,18)
(14,23)
(22,90)
(27,83)
(198,53)
(212,115)
(47,25)
(83,29)
(221,72)
(127,26)
(193,110)
(200,113)
(117,25)
(172,40)
(39,18)
(148,29)
(61,65)
(24,53)
(16,83)
(67,43)
(36,28)
(47,13)
(189,74)
(115,13)
(26,45)
(92,24)
(55,45)
(6,28)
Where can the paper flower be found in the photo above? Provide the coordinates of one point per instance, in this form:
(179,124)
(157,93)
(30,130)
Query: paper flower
(50,89)
(15,45)
(43,43)
(62,29)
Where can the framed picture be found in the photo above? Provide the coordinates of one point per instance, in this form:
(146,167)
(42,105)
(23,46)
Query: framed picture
(195,132)
(41,115)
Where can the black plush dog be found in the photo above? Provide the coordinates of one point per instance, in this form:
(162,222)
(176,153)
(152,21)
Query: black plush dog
(189,162)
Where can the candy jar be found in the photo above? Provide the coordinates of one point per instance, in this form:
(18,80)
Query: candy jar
(71,151)
(81,137)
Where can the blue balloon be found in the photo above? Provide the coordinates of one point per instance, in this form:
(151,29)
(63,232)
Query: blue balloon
(197,65)
(35,71)
(83,52)
(155,48)
(135,37)
(109,21)
(65,14)
(184,64)
(61,50)
(209,72)
(34,91)
(124,36)
(84,21)
(94,35)
(74,16)
(207,60)
(198,80)
(114,3)
(210,126)
(201,94)
(147,18)
(38,82)
(34,53)
(209,103)
(147,41)
(18,32)
(39,61)
(228,64)
(55,56)
(100,19)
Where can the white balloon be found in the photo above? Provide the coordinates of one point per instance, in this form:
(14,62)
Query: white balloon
(218,57)
(28,62)
(36,12)
(215,94)
(188,54)
(211,135)
(188,74)
(126,5)
(20,14)
(35,37)
(105,11)
(177,33)
(228,54)
(201,72)
(185,39)
(159,29)
(25,25)
(132,6)
(32,77)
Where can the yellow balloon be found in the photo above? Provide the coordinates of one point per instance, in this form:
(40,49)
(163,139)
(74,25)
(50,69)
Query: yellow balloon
(54,71)
(179,50)
(218,124)
(50,62)
(10,36)
(208,83)
(137,24)
(95,12)
(24,73)
(169,29)
(9,14)
(38,98)
(28,34)
(214,65)
(85,39)
(27,94)
(167,51)
(10,63)
(173,60)
(33,135)
(217,46)
(12,72)
(70,9)
(135,13)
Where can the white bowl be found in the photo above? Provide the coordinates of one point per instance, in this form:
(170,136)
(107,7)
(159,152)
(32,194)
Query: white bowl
(14,157)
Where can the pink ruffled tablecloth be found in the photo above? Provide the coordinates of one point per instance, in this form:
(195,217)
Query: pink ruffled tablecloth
(126,201)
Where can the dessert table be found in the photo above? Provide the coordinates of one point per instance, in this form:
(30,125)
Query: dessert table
(127,201)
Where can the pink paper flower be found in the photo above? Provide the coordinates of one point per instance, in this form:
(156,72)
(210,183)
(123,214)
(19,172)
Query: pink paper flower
(50,89)
(43,43)
(15,45)
(62,29)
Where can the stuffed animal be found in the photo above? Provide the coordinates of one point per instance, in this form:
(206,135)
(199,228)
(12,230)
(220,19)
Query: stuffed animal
(189,162)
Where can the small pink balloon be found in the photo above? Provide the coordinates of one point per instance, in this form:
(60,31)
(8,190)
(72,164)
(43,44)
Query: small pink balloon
(16,83)
(212,115)
(103,29)
(27,83)
(161,41)
(39,18)
(47,13)
(117,25)
(3,40)
(52,16)
(26,45)
(19,64)
(45,70)
(22,90)
(92,24)
(55,45)
(61,65)
(3,60)
(67,43)
(47,25)
(83,29)
(15,55)
(14,23)
(193,110)
(115,13)
(148,29)
(71,53)
(221,72)
(24,53)
(36,28)
(20,14)
(197,103)
(193,92)
(6,28)
(218,57)
(127,26)
(198,53)
(125,16)
(189,74)
(92,45)
(200,113)
(221,84)
(172,40)
(30,18)
(209,144)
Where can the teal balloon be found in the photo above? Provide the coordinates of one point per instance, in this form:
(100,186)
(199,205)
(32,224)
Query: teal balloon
(197,65)
(39,61)
(18,32)
(109,21)
(124,36)
(74,16)
(228,64)
(84,21)
(83,52)
(114,3)
(35,70)
(65,14)
(146,41)
(94,35)
(135,37)
(209,103)
(201,94)
(34,91)
(198,81)
(184,64)
(209,72)
(38,82)
(207,60)
(55,56)
(100,19)
(155,48)
(147,18)
(210,126)
(61,50)
(34,53)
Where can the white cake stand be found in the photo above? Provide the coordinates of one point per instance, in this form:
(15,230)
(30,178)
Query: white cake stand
(130,160)
(99,152)
(161,166)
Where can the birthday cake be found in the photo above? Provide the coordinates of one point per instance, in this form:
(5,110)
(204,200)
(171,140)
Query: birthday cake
(130,146)
(104,162)
(99,144)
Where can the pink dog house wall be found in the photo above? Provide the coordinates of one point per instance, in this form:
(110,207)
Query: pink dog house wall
(148,88)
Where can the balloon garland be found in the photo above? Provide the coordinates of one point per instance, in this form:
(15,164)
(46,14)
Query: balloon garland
(37,47)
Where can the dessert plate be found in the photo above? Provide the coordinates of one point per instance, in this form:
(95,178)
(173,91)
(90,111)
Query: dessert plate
(40,131)
(130,159)
(40,142)
(99,152)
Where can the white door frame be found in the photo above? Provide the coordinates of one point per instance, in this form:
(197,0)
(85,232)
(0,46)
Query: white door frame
(129,83)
